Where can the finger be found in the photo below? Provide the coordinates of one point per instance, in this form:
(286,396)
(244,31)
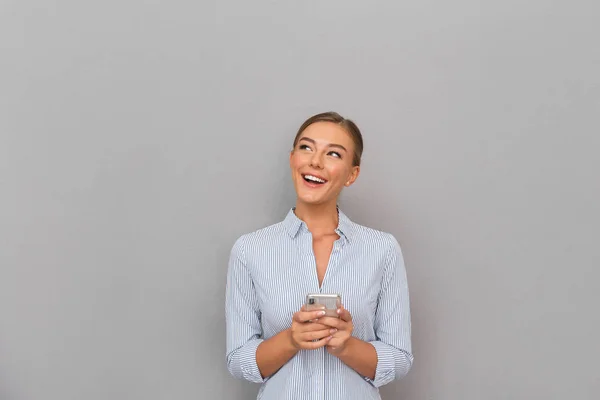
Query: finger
(317,344)
(344,314)
(312,326)
(333,322)
(335,342)
(320,334)
(338,339)
(304,316)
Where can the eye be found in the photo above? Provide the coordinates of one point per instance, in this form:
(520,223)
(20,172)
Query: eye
(335,154)
(303,147)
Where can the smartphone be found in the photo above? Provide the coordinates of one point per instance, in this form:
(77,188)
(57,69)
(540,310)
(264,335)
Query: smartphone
(331,302)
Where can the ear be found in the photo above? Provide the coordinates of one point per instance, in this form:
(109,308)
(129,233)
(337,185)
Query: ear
(353,176)
(291,155)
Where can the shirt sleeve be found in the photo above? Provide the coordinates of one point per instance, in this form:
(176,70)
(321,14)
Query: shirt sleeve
(392,321)
(242,316)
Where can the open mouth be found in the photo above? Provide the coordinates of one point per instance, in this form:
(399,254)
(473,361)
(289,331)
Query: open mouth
(313,179)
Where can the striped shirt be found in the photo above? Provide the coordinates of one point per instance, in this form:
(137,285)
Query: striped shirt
(270,272)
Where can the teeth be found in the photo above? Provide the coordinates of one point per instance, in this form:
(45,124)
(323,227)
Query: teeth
(314,178)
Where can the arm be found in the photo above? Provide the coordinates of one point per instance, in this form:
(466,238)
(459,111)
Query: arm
(242,318)
(273,353)
(388,357)
(392,321)
(249,356)
(360,356)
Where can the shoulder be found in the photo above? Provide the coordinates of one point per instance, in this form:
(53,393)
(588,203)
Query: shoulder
(264,235)
(372,237)
(382,246)
(259,238)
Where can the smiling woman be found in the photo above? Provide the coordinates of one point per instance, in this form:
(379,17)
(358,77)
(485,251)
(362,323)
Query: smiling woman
(326,155)
(272,338)
(346,124)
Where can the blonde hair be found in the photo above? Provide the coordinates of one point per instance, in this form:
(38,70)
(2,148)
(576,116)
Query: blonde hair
(348,125)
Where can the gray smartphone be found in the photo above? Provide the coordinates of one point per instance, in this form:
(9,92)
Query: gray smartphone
(331,302)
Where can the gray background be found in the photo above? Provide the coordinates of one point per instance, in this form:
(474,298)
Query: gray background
(138,140)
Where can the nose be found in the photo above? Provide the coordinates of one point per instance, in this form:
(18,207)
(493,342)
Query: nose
(316,161)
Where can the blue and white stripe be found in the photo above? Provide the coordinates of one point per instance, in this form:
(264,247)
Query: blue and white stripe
(270,272)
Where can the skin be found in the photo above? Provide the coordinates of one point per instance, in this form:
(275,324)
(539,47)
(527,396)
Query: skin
(324,150)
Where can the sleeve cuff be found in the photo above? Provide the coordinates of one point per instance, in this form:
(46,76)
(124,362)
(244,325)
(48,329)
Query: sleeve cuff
(247,361)
(385,370)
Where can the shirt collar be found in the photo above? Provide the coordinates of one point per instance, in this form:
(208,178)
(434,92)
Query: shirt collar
(293,224)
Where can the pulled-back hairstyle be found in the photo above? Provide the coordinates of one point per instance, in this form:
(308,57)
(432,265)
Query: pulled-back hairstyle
(348,125)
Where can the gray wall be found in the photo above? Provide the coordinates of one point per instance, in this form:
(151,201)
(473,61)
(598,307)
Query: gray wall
(138,140)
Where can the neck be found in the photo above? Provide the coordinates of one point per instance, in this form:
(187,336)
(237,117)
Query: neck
(320,219)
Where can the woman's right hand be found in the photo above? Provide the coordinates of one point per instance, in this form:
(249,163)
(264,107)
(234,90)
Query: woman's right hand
(307,333)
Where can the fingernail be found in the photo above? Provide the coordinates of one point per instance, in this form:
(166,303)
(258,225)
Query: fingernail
(339,311)
(333,330)
(321,312)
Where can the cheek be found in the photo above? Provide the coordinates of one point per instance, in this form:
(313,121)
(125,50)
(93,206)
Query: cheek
(294,163)
(338,172)
(297,161)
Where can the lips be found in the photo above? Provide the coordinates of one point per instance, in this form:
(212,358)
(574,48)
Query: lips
(314,179)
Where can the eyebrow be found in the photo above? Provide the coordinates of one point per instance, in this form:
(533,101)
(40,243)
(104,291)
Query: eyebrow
(339,146)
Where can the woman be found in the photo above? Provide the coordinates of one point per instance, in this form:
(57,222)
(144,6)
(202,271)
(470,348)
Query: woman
(271,338)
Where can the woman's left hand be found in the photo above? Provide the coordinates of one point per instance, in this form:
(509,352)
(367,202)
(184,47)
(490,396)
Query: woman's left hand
(344,326)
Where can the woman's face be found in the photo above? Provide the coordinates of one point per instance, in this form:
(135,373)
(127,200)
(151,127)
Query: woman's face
(321,163)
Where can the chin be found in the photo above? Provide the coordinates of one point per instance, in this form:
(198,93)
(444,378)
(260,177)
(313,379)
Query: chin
(314,197)
(313,200)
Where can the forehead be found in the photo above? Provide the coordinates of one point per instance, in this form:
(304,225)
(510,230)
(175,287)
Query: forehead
(327,133)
